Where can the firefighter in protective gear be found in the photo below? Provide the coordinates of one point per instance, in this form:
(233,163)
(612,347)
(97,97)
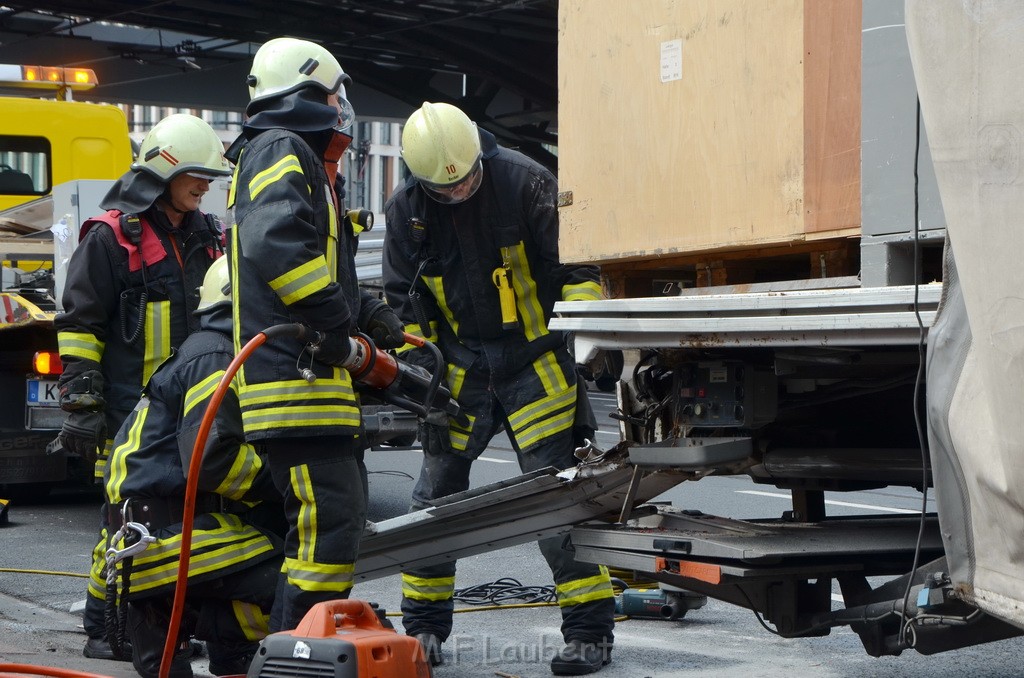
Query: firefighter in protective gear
(236,551)
(292,260)
(471,262)
(129,296)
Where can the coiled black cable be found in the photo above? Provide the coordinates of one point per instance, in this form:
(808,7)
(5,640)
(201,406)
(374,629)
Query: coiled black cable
(505,591)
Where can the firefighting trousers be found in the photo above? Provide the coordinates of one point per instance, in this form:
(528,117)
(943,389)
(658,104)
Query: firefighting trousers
(231,614)
(323,482)
(583,590)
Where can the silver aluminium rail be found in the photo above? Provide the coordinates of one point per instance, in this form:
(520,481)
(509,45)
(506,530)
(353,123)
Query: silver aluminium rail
(856,316)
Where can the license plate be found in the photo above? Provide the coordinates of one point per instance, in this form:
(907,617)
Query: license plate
(43,393)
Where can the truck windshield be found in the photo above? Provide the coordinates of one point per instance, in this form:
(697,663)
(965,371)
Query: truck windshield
(24,165)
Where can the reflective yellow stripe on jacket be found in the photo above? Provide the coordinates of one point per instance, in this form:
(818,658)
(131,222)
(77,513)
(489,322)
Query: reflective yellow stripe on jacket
(584,291)
(243,472)
(289,163)
(325,402)
(302,281)
(119,455)
(80,345)
(204,389)
(531,313)
(436,285)
(158,337)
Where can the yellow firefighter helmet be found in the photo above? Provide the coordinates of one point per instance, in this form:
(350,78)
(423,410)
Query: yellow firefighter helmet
(441,146)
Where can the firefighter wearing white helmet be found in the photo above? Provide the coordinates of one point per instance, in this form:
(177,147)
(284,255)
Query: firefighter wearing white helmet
(182,143)
(129,298)
(233,591)
(292,258)
(471,262)
(216,287)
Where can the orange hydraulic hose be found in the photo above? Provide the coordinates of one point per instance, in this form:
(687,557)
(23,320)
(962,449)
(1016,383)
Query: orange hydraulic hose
(20,670)
(192,483)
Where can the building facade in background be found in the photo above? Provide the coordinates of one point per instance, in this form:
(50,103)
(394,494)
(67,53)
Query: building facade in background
(372,163)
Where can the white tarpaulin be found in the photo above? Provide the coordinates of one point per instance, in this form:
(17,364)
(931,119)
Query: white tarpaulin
(968,58)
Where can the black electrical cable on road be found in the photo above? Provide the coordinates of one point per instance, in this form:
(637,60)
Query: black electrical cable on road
(505,590)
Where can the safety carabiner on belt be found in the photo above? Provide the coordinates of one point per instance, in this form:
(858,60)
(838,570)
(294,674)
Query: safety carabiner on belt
(115,555)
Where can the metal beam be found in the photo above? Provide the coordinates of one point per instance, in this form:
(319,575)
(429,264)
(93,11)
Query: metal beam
(515,511)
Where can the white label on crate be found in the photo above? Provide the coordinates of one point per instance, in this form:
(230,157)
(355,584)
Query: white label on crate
(672,60)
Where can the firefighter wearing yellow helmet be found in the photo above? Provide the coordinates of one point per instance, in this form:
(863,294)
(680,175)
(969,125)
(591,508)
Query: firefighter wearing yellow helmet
(129,298)
(292,259)
(441,147)
(471,262)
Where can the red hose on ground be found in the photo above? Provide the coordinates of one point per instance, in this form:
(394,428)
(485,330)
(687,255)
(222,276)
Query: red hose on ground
(20,670)
(191,487)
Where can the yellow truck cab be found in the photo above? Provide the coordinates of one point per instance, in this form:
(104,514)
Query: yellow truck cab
(43,143)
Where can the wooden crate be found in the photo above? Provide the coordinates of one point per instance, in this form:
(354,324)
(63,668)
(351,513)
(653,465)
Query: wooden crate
(745,133)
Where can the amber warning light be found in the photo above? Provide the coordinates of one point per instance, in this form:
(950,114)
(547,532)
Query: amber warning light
(47,77)
(47,362)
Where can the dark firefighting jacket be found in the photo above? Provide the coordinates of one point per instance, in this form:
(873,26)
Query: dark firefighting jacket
(127,304)
(444,268)
(292,261)
(150,460)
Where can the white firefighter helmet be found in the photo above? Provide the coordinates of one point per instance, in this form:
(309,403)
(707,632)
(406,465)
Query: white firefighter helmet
(283,65)
(182,143)
(441,146)
(216,287)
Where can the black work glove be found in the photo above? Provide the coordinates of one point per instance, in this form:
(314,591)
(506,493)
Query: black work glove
(333,348)
(82,392)
(434,435)
(84,433)
(384,327)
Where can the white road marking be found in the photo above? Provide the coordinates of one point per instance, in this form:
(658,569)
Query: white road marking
(884,509)
(496,461)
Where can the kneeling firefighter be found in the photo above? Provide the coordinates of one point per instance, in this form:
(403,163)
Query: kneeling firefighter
(236,549)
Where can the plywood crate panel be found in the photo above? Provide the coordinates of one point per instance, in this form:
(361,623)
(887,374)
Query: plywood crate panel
(690,126)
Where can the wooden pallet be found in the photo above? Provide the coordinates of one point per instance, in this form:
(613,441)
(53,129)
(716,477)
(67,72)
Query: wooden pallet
(668,275)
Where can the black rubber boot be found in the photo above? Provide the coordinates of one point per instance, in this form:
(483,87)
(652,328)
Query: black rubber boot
(230,659)
(431,645)
(147,628)
(579,658)
(99,648)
